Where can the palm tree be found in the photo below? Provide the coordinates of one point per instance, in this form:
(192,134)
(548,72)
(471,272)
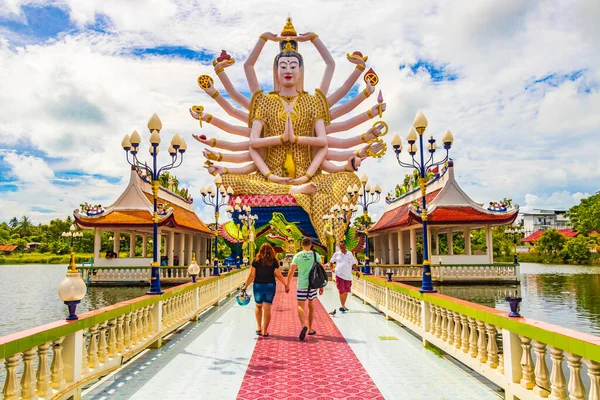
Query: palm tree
(14,222)
(25,225)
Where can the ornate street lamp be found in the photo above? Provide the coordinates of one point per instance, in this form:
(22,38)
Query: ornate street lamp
(194,268)
(346,211)
(366,197)
(210,197)
(422,165)
(178,146)
(248,220)
(514,231)
(72,289)
(234,213)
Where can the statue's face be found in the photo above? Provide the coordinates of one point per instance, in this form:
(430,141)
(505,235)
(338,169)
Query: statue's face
(288,71)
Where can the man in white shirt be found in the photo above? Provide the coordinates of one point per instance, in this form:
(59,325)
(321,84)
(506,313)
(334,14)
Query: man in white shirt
(344,263)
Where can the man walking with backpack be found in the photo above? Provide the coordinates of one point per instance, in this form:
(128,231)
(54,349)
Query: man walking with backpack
(310,281)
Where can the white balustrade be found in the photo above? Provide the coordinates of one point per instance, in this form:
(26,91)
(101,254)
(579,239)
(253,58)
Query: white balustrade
(47,369)
(467,334)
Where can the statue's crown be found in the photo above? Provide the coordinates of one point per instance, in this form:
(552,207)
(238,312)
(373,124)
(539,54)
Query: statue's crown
(288,45)
(288,29)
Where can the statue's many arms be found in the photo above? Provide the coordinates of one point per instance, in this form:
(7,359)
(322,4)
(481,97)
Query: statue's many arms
(289,144)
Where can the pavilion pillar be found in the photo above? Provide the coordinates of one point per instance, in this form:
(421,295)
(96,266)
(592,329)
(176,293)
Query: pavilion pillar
(489,244)
(413,246)
(117,242)
(171,248)
(384,256)
(189,249)
(145,246)
(132,242)
(97,243)
(467,237)
(449,239)
(430,243)
(181,247)
(391,251)
(202,251)
(436,235)
(400,247)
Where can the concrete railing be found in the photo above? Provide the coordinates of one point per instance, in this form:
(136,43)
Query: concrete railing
(54,361)
(529,359)
(129,275)
(460,273)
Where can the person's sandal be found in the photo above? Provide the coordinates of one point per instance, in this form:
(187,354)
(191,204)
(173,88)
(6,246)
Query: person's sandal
(258,332)
(303,333)
(313,332)
(266,334)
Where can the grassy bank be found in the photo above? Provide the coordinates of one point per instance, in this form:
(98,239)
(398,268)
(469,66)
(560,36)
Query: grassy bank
(42,258)
(545,259)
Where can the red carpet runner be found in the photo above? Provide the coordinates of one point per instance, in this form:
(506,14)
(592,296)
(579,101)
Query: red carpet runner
(322,367)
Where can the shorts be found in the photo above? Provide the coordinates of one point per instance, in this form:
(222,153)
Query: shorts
(305,294)
(343,285)
(264,292)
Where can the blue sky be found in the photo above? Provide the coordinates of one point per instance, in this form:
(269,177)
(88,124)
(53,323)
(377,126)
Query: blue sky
(517,83)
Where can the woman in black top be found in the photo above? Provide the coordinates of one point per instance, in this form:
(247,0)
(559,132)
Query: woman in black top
(265,269)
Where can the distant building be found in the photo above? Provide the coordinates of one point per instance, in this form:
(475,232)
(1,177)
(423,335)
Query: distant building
(7,249)
(537,220)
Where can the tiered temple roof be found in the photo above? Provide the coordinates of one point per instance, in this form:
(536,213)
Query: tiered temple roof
(134,208)
(447,204)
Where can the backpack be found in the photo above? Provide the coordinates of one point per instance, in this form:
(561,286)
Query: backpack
(317,277)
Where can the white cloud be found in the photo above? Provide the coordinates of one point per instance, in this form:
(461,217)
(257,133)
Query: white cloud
(74,97)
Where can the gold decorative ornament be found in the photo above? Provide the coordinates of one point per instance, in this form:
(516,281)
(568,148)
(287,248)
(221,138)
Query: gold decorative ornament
(208,118)
(362,137)
(380,110)
(205,82)
(383,132)
(198,110)
(314,37)
(356,55)
(281,138)
(308,176)
(360,67)
(268,174)
(371,77)
(226,171)
(288,29)
(215,94)
(366,93)
(370,114)
(214,142)
(263,38)
(218,70)
(381,152)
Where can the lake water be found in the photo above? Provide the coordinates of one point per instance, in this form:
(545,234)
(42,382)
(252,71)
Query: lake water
(560,294)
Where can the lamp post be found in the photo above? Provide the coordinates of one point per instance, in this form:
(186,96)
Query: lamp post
(346,211)
(514,231)
(72,289)
(131,145)
(248,220)
(194,268)
(422,165)
(366,197)
(234,213)
(210,197)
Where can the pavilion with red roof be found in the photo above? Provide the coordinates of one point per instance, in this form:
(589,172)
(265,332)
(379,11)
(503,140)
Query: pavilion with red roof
(179,227)
(449,209)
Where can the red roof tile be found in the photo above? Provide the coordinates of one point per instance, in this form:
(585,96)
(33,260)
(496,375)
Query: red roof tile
(568,233)
(8,247)
(399,216)
(466,214)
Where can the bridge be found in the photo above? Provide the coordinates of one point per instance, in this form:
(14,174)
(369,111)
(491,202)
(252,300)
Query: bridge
(194,341)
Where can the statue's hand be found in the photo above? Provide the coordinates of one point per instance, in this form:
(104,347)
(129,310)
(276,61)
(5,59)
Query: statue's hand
(299,181)
(353,164)
(370,88)
(279,179)
(375,148)
(224,64)
(375,109)
(288,132)
(272,36)
(210,155)
(204,140)
(357,60)
(305,37)
(193,114)
(215,169)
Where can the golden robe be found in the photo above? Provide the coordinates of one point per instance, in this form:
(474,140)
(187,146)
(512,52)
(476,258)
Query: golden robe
(291,159)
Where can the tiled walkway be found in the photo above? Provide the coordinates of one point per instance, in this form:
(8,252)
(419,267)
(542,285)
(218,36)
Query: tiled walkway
(210,358)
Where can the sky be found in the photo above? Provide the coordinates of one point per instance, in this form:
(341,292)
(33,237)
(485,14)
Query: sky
(517,83)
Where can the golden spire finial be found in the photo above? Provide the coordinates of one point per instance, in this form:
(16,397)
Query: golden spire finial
(288,29)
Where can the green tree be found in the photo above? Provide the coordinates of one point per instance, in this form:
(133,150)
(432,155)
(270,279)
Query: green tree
(361,223)
(25,225)
(551,242)
(14,222)
(577,250)
(585,217)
